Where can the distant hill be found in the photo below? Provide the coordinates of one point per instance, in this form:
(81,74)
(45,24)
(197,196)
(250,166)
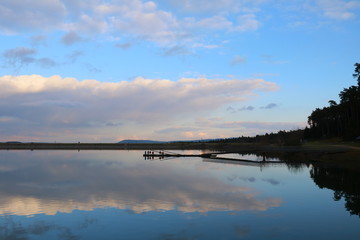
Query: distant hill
(140,141)
(152,141)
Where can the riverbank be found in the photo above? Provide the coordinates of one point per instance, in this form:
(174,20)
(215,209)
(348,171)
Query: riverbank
(229,147)
(316,147)
(343,153)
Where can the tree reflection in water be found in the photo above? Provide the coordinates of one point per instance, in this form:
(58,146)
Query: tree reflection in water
(344,182)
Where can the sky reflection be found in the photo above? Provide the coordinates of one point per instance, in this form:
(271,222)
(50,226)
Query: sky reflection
(52,182)
(72,195)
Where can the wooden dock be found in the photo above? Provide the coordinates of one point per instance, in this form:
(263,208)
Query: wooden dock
(167,154)
(209,157)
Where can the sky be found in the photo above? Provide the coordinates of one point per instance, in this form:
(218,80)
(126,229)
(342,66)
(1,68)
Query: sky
(109,70)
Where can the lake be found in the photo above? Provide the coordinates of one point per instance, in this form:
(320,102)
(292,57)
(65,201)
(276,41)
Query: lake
(119,195)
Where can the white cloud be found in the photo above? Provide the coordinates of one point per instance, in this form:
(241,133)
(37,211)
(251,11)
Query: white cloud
(72,58)
(124,46)
(71,38)
(214,22)
(207,46)
(146,20)
(270,106)
(207,6)
(248,108)
(338,9)
(141,20)
(39,40)
(20,52)
(133,19)
(247,22)
(46,62)
(58,103)
(77,7)
(238,60)
(20,15)
(269,59)
(89,25)
(92,68)
(18,57)
(176,50)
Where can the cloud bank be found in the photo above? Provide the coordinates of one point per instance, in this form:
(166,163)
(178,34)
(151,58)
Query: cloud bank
(152,20)
(135,19)
(38,103)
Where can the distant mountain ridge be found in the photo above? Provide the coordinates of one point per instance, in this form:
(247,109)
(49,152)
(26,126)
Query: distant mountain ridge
(140,141)
(153,141)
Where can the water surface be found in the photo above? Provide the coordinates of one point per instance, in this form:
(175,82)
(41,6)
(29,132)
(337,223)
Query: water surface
(119,195)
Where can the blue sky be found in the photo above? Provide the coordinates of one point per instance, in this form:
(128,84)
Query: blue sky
(111,70)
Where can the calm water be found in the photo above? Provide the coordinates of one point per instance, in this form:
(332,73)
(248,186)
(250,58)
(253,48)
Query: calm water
(119,195)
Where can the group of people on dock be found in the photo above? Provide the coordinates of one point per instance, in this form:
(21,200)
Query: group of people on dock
(154,153)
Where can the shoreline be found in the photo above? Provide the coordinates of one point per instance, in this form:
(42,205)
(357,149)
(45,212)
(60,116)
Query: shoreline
(346,154)
(231,147)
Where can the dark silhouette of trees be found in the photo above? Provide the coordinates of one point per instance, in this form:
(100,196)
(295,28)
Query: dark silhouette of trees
(344,182)
(281,138)
(338,120)
(357,73)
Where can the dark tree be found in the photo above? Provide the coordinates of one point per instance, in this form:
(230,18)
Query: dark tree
(357,73)
(332,103)
(338,120)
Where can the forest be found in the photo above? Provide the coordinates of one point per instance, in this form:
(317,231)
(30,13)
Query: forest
(338,119)
(341,120)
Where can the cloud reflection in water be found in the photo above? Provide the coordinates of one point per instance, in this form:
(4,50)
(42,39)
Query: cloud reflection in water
(52,182)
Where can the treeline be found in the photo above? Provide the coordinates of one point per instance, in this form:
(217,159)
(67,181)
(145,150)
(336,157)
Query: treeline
(338,119)
(283,138)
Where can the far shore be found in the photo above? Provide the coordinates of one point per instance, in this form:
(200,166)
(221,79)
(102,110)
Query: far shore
(228,147)
(339,153)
